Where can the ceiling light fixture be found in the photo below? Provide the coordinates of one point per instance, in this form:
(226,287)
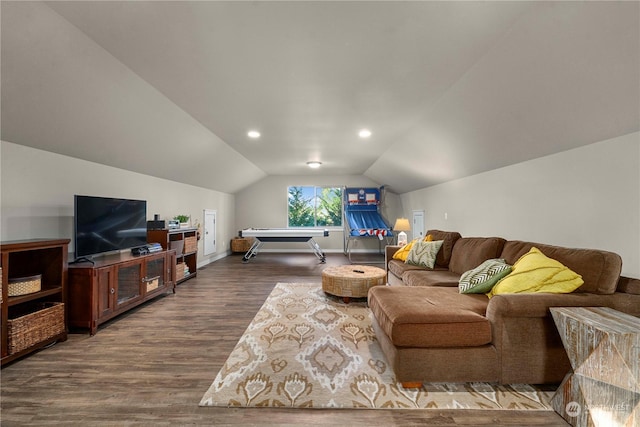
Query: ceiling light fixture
(314,165)
(253,134)
(364,133)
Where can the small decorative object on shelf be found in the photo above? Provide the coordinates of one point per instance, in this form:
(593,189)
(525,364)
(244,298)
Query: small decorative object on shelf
(184,220)
(196,225)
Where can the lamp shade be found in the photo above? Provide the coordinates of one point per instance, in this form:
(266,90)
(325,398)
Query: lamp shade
(402,224)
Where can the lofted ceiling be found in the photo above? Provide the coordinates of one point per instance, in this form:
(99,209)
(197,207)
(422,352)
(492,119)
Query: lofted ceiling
(449,89)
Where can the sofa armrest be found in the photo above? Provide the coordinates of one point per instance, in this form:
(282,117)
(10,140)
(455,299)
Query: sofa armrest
(526,338)
(389,250)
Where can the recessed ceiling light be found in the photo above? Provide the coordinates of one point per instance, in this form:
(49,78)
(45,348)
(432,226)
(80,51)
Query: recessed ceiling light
(253,134)
(364,133)
(314,165)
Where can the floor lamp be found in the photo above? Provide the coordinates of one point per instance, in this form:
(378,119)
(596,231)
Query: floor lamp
(402,225)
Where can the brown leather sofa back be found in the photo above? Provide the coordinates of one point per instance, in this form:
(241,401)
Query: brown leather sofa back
(599,269)
(449,238)
(470,252)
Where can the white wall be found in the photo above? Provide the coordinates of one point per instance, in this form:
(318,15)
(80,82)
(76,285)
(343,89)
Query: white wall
(587,197)
(38,188)
(264,205)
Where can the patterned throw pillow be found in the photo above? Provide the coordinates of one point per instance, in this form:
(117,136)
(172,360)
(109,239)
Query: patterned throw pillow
(402,253)
(481,279)
(424,253)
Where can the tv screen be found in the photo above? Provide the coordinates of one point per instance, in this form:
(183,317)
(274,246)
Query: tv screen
(105,224)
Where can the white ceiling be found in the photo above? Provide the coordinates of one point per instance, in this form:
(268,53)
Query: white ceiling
(449,89)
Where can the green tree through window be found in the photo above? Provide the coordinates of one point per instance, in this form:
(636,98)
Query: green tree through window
(314,206)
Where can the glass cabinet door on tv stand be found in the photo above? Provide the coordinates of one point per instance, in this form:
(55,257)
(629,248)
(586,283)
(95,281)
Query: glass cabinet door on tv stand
(129,283)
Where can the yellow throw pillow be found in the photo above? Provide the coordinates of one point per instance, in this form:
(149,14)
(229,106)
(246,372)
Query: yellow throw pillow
(402,253)
(535,272)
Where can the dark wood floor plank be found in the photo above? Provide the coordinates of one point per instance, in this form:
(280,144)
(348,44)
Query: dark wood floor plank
(152,365)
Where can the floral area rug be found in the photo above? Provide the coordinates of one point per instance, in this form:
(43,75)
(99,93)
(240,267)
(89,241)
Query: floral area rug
(305,349)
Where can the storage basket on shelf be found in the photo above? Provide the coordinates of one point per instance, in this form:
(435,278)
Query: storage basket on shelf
(179,270)
(178,245)
(33,328)
(190,244)
(239,244)
(24,285)
(153,283)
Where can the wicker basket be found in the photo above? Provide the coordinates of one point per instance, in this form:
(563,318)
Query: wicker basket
(24,285)
(239,244)
(153,284)
(179,270)
(33,328)
(190,244)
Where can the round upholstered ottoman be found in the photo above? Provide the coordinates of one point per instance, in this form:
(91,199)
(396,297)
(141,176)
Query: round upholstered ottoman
(351,281)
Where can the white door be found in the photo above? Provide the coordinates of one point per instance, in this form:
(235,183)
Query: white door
(209,232)
(418,224)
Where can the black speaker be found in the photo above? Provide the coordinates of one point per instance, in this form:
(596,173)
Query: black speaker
(156,225)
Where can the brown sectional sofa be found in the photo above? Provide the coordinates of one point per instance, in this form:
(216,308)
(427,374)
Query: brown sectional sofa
(430,332)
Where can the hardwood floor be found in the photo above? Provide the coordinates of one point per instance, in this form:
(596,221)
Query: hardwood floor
(152,365)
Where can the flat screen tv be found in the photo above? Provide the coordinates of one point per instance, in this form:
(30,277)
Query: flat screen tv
(106,224)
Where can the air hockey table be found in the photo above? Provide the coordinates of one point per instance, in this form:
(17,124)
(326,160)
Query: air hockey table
(266,235)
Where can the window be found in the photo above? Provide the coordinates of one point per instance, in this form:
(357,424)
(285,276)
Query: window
(314,206)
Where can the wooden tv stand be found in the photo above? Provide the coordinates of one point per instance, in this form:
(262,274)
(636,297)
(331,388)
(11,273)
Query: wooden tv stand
(113,284)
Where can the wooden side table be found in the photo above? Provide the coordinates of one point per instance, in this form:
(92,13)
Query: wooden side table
(603,346)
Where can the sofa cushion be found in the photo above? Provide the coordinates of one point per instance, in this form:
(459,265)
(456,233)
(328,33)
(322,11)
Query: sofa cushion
(424,253)
(599,269)
(430,317)
(534,272)
(470,252)
(449,239)
(430,278)
(398,267)
(481,279)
